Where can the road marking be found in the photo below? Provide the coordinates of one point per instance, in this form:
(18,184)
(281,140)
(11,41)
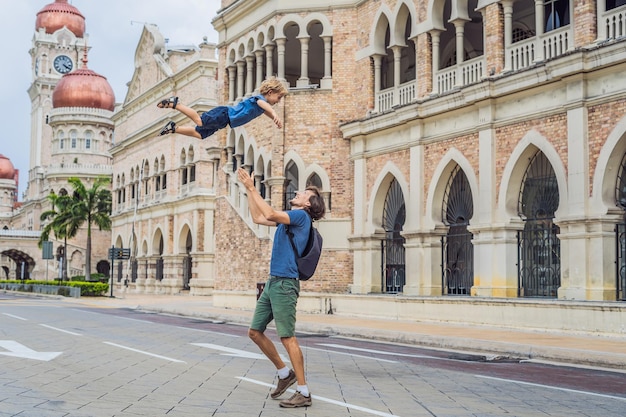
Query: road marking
(206,331)
(143,352)
(378,352)
(575,391)
(349,354)
(327,400)
(18,350)
(236,352)
(60,330)
(15,317)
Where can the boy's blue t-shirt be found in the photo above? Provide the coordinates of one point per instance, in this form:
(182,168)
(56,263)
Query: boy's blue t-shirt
(283,262)
(244,111)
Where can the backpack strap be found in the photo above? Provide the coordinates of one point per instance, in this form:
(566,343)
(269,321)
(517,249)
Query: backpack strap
(290,234)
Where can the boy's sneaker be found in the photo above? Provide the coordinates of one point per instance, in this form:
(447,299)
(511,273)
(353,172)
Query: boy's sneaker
(297,400)
(283,384)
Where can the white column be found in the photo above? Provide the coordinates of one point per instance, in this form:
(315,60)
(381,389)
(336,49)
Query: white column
(507,6)
(434,34)
(281,57)
(539,15)
(232,74)
(303,81)
(269,58)
(459,27)
(240,79)
(249,75)
(259,69)
(326,82)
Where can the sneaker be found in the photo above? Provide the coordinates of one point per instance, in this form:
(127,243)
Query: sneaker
(297,400)
(283,384)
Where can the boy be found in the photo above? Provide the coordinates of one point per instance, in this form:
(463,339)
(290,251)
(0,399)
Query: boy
(271,91)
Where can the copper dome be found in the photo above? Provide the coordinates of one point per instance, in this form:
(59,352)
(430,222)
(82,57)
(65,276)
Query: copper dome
(83,88)
(56,15)
(7,171)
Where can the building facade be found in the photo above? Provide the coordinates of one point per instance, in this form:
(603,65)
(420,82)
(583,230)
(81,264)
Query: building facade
(164,187)
(466,149)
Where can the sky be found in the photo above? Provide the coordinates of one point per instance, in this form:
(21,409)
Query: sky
(113,26)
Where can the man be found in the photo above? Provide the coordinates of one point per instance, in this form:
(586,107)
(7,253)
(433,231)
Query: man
(280,295)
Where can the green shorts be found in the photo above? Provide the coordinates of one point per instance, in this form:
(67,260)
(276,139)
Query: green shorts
(277,302)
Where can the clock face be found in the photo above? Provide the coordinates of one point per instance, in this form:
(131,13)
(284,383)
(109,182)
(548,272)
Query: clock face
(63,64)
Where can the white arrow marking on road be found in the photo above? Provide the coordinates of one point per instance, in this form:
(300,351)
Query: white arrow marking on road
(235,352)
(18,350)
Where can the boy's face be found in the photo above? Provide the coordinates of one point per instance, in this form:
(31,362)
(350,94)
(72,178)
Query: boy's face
(273,97)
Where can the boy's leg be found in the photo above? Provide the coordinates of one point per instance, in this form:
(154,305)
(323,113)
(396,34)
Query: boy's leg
(189,112)
(188,131)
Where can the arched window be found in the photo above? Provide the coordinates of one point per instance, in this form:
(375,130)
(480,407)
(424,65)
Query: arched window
(292,179)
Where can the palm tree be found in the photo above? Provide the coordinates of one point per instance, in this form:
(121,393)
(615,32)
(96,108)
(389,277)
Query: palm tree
(69,213)
(60,223)
(91,206)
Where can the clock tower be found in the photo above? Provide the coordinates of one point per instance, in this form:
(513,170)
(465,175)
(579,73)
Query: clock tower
(58,45)
(71,132)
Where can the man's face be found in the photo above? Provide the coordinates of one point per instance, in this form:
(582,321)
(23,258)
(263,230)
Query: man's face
(301,199)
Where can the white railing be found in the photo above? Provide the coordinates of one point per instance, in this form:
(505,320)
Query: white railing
(614,22)
(472,70)
(385,99)
(522,54)
(20,233)
(406,93)
(446,79)
(556,43)
(549,45)
(403,94)
(94,169)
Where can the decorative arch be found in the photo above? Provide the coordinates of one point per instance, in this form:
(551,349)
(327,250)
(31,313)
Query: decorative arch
(321,173)
(293,157)
(183,238)
(319,17)
(439,181)
(404,10)
(515,169)
(607,166)
(379,191)
(286,21)
(377,36)
(158,243)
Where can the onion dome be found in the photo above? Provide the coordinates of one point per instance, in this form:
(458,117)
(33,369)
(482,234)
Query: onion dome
(60,14)
(83,88)
(7,171)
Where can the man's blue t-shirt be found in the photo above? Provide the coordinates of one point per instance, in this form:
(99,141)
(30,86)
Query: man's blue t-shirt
(244,111)
(283,262)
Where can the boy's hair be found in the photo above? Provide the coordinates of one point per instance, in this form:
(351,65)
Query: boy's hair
(317,209)
(274,85)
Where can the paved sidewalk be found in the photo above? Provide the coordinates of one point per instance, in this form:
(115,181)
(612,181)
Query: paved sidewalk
(600,351)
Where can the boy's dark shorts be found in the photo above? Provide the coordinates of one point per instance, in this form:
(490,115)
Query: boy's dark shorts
(277,302)
(212,121)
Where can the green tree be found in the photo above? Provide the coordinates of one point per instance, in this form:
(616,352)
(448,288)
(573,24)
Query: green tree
(90,206)
(60,223)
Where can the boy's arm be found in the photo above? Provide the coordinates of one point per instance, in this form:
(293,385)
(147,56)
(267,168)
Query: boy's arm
(261,212)
(270,112)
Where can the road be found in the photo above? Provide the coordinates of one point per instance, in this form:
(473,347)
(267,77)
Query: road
(59,360)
